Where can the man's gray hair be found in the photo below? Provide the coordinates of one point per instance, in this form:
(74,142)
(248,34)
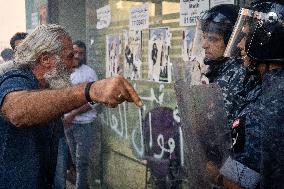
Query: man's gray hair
(44,39)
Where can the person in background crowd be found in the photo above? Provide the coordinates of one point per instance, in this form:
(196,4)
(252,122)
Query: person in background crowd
(79,127)
(17,39)
(7,54)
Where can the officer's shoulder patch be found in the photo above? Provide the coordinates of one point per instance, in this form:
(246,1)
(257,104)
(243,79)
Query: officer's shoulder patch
(236,123)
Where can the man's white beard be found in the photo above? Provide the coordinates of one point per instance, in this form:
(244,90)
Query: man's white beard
(59,77)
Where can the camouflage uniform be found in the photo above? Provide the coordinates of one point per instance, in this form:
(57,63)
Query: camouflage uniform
(238,88)
(262,146)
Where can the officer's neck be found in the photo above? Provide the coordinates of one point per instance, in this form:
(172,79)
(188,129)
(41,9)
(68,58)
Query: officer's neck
(262,67)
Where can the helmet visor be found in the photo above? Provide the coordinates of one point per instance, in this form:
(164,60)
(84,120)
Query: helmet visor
(245,34)
(209,41)
(197,52)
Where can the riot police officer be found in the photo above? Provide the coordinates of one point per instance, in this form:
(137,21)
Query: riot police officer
(216,26)
(258,132)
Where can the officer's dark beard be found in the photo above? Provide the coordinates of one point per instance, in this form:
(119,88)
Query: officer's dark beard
(215,62)
(59,77)
(214,66)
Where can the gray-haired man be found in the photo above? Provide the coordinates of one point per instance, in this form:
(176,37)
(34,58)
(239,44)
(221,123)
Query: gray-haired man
(34,91)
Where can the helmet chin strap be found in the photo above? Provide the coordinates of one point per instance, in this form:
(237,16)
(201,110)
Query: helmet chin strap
(214,62)
(251,66)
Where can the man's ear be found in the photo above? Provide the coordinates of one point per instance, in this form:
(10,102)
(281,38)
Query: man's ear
(45,60)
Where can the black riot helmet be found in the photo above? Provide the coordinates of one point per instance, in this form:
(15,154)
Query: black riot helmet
(268,39)
(220,19)
(263,28)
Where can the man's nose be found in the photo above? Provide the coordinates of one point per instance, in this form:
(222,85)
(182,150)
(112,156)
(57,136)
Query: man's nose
(205,44)
(76,56)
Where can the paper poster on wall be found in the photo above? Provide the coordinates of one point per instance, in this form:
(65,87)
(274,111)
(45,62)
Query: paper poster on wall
(103,17)
(197,68)
(158,55)
(132,54)
(190,10)
(219,2)
(183,14)
(187,36)
(139,17)
(113,55)
(35,19)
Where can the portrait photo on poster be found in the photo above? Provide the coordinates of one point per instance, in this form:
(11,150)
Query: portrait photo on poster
(132,54)
(187,40)
(159,67)
(113,55)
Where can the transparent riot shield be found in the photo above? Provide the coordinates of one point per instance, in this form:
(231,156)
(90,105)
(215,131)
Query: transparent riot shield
(206,135)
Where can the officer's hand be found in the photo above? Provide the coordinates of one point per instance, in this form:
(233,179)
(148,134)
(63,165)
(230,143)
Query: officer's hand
(212,169)
(113,91)
(231,185)
(213,172)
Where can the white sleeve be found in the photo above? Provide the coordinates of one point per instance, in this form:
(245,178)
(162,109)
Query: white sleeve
(92,75)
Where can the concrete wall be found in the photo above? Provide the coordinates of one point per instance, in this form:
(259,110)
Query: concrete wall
(72,15)
(68,13)
(33,13)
